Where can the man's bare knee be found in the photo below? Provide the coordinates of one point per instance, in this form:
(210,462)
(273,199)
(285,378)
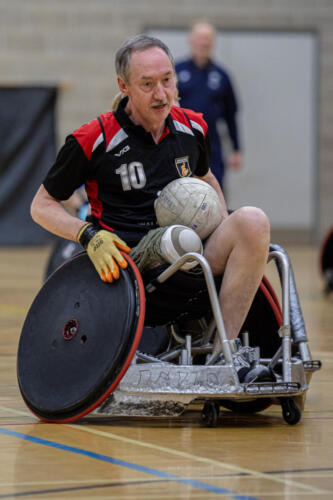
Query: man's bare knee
(252,226)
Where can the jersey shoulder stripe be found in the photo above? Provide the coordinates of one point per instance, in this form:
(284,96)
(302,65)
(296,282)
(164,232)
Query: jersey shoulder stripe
(180,127)
(181,117)
(114,133)
(90,135)
(197,121)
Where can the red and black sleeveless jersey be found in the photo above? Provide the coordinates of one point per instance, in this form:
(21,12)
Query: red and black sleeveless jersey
(123,169)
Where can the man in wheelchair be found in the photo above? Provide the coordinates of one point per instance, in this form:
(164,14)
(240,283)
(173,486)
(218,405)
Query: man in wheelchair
(125,158)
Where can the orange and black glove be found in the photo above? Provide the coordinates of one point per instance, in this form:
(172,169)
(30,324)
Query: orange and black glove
(103,250)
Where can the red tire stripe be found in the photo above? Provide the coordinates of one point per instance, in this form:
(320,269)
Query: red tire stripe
(276,310)
(272,292)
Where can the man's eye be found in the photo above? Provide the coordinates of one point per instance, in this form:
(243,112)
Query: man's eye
(168,81)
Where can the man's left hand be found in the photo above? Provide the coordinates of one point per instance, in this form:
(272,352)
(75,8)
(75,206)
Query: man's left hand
(235,160)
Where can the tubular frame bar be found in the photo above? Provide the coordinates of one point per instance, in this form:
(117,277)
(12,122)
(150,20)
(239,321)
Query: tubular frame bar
(225,349)
(284,331)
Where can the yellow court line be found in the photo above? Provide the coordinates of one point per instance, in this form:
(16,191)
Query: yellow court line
(13,309)
(17,412)
(193,458)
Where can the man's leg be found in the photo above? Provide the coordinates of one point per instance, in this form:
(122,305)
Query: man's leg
(238,248)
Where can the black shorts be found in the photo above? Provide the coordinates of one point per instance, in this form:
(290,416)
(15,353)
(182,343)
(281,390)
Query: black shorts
(131,238)
(183,295)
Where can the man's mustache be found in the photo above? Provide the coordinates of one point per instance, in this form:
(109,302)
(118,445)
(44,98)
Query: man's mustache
(155,104)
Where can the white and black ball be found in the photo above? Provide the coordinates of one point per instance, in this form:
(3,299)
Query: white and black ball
(178,240)
(190,202)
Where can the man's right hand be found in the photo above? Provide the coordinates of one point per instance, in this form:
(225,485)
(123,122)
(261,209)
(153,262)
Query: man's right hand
(103,250)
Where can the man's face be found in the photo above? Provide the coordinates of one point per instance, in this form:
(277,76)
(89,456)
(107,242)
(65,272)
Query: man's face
(151,87)
(202,41)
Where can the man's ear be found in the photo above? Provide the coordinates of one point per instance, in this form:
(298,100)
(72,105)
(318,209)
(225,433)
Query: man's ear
(122,86)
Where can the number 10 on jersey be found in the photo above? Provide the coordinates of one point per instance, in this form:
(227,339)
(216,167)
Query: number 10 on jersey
(132,175)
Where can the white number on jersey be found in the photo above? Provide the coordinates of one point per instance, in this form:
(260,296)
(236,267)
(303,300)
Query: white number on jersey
(132,175)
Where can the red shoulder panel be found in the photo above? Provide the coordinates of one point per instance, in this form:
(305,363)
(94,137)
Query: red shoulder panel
(111,126)
(86,136)
(179,114)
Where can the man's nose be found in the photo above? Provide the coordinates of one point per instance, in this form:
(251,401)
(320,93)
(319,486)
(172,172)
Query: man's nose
(159,92)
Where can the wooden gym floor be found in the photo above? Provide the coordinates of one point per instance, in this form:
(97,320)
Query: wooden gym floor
(246,457)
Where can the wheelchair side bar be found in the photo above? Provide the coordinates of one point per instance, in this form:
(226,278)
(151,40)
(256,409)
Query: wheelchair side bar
(212,295)
(284,330)
(298,330)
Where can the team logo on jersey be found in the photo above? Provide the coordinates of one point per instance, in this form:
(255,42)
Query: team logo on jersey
(183,166)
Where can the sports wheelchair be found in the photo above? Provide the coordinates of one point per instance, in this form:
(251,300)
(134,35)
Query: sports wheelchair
(88,347)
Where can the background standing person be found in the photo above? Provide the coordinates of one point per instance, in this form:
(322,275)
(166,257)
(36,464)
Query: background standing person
(206,87)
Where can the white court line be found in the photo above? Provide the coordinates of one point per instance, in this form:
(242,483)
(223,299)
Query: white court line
(193,458)
(171,496)
(61,482)
(138,479)
(134,479)
(196,458)
(143,496)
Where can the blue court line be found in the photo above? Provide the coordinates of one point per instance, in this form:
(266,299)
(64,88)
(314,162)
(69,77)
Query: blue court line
(129,465)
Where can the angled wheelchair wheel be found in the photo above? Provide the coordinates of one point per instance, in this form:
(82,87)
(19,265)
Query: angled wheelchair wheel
(62,251)
(264,320)
(247,407)
(326,261)
(210,414)
(78,339)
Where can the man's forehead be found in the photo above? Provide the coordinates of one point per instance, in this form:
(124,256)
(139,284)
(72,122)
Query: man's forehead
(150,62)
(203,29)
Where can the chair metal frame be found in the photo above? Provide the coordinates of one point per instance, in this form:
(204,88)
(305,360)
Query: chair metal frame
(165,385)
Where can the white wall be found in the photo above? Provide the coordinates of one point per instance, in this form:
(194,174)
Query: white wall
(275,78)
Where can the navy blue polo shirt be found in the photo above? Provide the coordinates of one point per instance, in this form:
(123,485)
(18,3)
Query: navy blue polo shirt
(209,90)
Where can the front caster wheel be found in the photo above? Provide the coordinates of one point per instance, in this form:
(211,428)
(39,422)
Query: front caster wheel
(291,411)
(210,414)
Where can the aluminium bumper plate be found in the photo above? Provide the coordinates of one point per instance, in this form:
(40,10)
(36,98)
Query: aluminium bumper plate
(165,390)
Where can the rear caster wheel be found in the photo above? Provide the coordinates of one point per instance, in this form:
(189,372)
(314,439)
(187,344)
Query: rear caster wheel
(210,414)
(291,411)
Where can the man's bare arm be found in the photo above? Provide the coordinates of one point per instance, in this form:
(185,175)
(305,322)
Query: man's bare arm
(52,216)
